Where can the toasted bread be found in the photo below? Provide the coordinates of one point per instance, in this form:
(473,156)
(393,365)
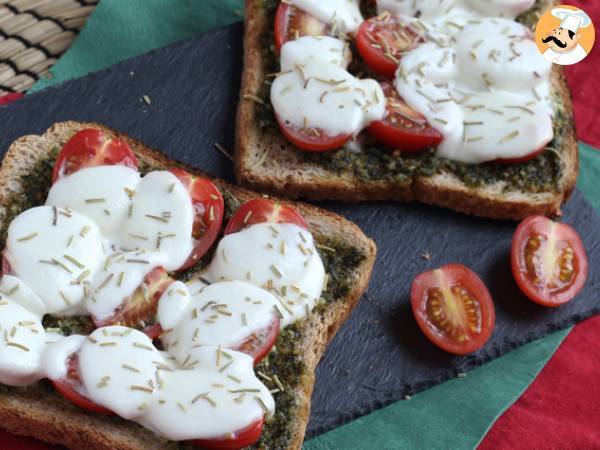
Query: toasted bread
(39,411)
(266,161)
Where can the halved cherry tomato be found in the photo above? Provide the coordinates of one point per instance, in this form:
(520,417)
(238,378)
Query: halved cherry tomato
(292,22)
(208,208)
(382,40)
(453,308)
(262,210)
(139,309)
(259,344)
(89,148)
(6,268)
(403,127)
(548,261)
(311,140)
(240,439)
(522,159)
(67,388)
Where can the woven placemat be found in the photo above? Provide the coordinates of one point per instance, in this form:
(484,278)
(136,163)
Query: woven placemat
(33,35)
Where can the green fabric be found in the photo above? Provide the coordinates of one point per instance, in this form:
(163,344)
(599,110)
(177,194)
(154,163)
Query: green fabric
(455,414)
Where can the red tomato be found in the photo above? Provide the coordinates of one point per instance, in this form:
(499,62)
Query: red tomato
(403,127)
(208,208)
(548,261)
(453,308)
(139,308)
(240,439)
(6,268)
(382,40)
(89,148)
(311,140)
(522,159)
(292,22)
(262,210)
(67,388)
(259,344)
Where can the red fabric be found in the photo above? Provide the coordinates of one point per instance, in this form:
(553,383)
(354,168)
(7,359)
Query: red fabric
(9,98)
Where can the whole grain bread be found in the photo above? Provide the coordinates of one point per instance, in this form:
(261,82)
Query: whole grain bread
(266,161)
(40,412)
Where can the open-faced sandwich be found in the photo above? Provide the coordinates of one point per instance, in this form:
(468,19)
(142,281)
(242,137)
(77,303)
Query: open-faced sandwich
(144,305)
(447,102)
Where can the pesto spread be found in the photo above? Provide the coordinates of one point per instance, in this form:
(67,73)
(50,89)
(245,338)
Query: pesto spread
(374,163)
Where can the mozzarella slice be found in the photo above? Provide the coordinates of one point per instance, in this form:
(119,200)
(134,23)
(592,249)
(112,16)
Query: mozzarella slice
(161,219)
(213,403)
(342,15)
(325,96)
(284,261)
(500,8)
(56,355)
(21,345)
(225,313)
(120,276)
(309,49)
(102,193)
(425,9)
(21,293)
(54,252)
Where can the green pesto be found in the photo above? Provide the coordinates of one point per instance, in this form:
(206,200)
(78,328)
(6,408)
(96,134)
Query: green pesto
(541,174)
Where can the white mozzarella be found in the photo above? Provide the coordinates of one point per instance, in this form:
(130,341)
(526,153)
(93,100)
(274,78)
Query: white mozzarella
(309,49)
(430,10)
(225,313)
(21,293)
(102,193)
(344,15)
(54,252)
(161,219)
(57,353)
(21,344)
(325,96)
(284,261)
(120,276)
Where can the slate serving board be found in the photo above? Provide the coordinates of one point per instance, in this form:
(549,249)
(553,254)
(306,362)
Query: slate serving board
(379,356)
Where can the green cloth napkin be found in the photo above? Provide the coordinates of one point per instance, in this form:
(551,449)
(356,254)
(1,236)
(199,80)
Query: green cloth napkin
(455,414)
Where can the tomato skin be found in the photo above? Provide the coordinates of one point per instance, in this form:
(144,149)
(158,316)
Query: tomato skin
(243,438)
(376,31)
(445,280)
(396,131)
(311,139)
(208,206)
(262,210)
(259,345)
(66,389)
(522,159)
(89,148)
(289,19)
(523,260)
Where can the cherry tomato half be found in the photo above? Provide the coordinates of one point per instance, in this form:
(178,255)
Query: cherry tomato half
(291,22)
(548,261)
(262,210)
(311,140)
(67,387)
(240,439)
(89,148)
(382,40)
(208,208)
(522,159)
(403,127)
(139,309)
(259,344)
(453,308)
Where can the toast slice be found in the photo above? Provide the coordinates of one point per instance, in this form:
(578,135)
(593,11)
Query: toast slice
(39,411)
(266,161)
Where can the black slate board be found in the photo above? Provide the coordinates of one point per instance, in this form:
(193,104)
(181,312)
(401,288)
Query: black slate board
(379,356)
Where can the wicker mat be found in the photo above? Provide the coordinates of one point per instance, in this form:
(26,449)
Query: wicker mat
(33,35)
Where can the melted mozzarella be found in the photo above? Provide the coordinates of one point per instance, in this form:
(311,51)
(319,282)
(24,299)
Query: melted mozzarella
(101,193)
(447,10)
(488,94)
(21,345)
(21,293)
(284,261)
(213,403)
(325,96)
(121,275)
(500,8)
(344,15)
(161,219)
(309,49)
(225,313)
(55,261)
(56,355)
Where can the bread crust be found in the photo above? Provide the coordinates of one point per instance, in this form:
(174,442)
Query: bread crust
(40,412)
(284,173)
